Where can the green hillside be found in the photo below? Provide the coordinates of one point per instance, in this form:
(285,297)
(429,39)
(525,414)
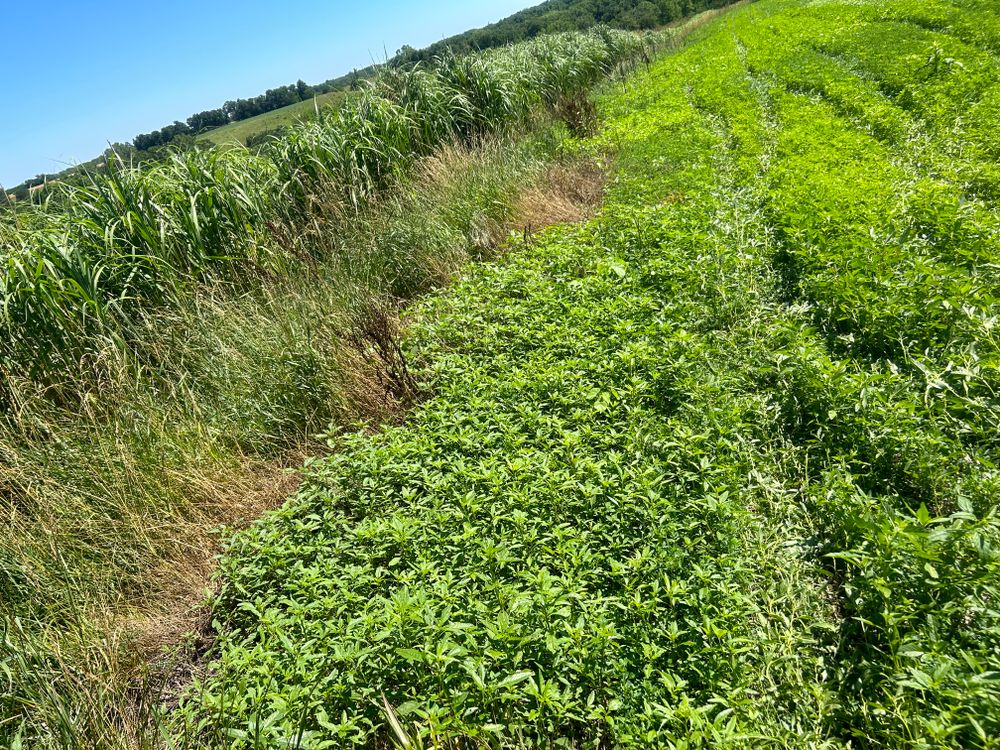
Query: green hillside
(715,469)
(649,384)
(554,16)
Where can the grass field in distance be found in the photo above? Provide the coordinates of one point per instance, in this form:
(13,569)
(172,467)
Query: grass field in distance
(239,132)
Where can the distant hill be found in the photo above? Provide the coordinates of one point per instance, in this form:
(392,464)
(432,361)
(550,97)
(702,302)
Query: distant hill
(252,130)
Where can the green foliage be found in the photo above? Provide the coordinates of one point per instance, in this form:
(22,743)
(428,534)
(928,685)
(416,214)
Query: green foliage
(557,16)
(177,330)
(715,469)
(126,478)
(135,237)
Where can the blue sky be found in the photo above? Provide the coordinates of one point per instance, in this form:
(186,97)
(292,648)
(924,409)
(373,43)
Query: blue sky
(79,74)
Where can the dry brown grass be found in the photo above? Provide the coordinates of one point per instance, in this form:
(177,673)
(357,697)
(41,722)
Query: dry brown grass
(436,172)
(566,193)
(178,586)
(154,644)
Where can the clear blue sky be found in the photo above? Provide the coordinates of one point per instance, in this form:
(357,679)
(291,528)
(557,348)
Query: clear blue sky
(78,74)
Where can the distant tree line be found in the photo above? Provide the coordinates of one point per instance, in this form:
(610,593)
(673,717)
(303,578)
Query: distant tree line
(562,15)
(232,111)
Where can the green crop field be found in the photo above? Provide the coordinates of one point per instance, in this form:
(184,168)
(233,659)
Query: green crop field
(239,132)
(714,468)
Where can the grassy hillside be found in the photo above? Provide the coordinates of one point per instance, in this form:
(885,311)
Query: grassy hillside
(714,469)
(279,119)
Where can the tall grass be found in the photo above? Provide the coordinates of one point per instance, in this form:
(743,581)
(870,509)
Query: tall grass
(135,238)
(173,337)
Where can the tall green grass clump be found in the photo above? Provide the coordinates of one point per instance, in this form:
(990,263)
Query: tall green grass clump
(135,238)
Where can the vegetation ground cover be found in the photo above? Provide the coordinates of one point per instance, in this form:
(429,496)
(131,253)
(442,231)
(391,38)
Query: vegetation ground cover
(177,333)
(714,469)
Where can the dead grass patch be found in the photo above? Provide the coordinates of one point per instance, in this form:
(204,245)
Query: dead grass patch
(180,584)
(566,193)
